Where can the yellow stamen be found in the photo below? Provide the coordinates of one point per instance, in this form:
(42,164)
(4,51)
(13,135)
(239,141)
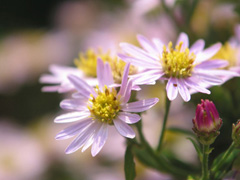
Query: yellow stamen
(105,106)
(176,62)
(88,64)
(229,53)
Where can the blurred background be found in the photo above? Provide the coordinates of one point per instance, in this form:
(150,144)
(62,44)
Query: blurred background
(35,34)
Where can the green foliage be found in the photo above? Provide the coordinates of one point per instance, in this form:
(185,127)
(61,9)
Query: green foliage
(129,164)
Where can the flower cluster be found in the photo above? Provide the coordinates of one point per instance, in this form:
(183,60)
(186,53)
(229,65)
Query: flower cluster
(102,88)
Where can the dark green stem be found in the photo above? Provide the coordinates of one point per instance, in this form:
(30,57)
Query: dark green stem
(205,173)
(167,107)
(224,157)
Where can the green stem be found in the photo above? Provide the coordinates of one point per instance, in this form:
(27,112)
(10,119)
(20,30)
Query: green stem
(167,107)
(205,173)
(224,157)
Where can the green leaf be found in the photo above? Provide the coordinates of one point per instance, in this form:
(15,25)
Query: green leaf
(180,131)
(197,148)
(129,165)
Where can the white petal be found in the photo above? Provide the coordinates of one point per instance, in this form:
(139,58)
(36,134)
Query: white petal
(107,78)
(82,138)
(147,77)
(172,89)
(139,106)
(127,93)
(183,90)
(158,44)
(137,52)
(124,80)
(100,72)
(73,129)
(74,104)
(139,62)
(72,117)
(147,45)
(196,86)
(50,79)
(129,118)
(183,37)
(208,53)
(197,47)
(124,129)
(212,64)
(99,140)
(81,86)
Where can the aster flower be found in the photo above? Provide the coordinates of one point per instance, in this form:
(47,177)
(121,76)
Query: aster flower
(86,67)
(98,108)
(184,68)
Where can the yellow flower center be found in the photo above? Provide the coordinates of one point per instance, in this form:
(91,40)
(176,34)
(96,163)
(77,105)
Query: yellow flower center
(227,52)
(117,67)
(177,63)
(88,64)
(105,106)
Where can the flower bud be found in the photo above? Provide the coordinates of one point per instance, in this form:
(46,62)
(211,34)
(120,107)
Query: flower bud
(207,122)
(236,133)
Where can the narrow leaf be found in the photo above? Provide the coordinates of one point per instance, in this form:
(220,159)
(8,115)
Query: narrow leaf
(129,165)
(197,148)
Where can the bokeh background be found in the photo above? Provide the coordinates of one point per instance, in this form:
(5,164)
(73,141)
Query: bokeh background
(35,34)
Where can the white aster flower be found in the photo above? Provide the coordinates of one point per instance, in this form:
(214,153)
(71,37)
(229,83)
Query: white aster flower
(98,108)
(184,68)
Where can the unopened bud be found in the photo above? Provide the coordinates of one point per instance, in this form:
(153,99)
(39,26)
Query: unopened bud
(207,122)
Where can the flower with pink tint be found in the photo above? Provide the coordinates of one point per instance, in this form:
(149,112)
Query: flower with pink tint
(59,79)
(206,122)
(97,108)
(184,68)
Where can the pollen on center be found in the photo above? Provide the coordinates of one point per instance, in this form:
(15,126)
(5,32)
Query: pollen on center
(177,62)
(105,106)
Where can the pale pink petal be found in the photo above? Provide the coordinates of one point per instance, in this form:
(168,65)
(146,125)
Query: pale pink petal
(147,45)
(72,117)
(147,77)
(183,90)
(197,47)
(139,106)
(183,37)
(81,86)
(158,44)
(136,52)
(208,78)
(129,118)
(237,31)
(127,93)
(139,62)
(196,86)
(100,72)
(99,139)
(124,129)
(50,79)
(74,104)
(124,80)
(107,78)
(50,88)
(212,64)
(66,88)
(172,89)
(207,53)
(73,129)
(82,138)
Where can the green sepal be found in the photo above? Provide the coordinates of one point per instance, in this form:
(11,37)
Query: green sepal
(129,164)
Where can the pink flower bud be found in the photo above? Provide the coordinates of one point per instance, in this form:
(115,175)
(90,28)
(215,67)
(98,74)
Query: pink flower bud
(206,122)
